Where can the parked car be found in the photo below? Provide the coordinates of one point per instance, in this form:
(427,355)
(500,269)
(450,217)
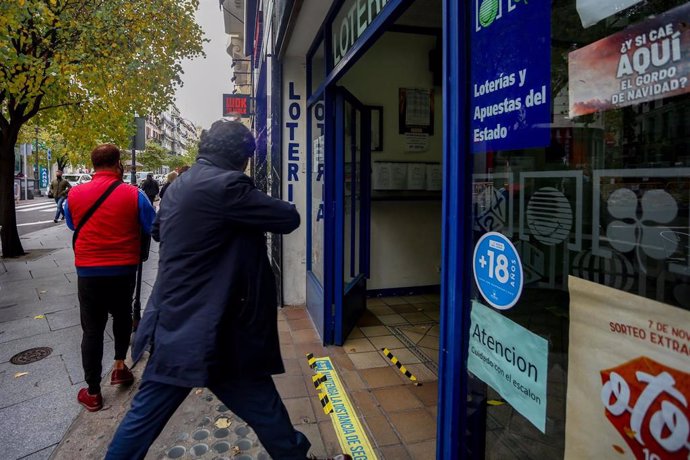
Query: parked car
(76,179)
(141,177)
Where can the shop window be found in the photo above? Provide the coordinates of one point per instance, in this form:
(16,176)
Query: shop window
(590,212)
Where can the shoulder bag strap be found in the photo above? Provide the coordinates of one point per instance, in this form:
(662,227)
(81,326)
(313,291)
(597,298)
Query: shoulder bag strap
(93,208)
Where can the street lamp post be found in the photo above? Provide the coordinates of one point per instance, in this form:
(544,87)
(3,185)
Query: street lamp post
(37,190)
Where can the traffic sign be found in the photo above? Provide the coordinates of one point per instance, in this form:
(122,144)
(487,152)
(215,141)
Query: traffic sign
(44,177)
(498,270)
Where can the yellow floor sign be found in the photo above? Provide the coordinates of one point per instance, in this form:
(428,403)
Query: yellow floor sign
(350,432)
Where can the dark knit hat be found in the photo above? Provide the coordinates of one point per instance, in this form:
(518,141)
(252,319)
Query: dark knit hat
(227,144)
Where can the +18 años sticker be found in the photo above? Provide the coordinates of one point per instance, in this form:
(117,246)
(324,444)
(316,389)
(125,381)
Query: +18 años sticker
(497,270)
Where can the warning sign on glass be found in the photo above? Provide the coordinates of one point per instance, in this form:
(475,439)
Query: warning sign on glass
(647,61)
(237,104)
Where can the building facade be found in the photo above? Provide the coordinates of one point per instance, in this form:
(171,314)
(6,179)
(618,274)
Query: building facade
(527,161)
(172,131)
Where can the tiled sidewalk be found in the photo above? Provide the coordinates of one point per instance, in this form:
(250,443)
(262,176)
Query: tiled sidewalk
(400,418)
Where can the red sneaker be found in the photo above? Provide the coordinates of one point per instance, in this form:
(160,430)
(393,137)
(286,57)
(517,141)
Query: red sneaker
(92,403)
(121,377)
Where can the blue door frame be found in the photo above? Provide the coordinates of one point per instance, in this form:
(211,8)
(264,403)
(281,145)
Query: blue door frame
(456,271)
(454,439)
(350,298)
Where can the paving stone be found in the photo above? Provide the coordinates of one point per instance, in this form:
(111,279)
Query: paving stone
(64,318)
(59,341)
(15,310)
(17,292)
(20,328)
(54,286)
(43,454)
(14,274)
(44,376)
(32,425)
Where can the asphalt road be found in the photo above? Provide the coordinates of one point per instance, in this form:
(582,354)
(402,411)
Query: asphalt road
(36,214)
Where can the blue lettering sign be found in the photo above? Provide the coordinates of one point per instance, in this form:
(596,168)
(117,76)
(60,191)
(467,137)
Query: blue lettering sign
(511,91)
(294,113)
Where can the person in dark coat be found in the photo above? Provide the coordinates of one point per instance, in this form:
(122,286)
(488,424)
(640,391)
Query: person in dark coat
(211,320)
(150,187)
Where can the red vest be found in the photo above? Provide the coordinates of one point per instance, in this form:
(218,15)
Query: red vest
(111,237)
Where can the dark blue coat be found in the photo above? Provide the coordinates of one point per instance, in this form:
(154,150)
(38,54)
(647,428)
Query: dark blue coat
(213,310)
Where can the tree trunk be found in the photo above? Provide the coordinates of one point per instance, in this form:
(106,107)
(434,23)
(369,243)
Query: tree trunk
(11,244)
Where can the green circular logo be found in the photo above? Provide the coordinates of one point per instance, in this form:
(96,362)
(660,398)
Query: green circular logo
(487,12)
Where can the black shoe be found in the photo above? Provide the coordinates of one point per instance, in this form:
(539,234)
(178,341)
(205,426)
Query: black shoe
(55,221)
(62,218)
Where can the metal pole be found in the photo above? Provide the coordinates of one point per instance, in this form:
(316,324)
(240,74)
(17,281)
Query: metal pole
(48,153)
(37,190)
(133,179)
(24,148)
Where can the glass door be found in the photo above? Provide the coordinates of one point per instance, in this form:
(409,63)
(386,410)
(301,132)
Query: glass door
(353,178)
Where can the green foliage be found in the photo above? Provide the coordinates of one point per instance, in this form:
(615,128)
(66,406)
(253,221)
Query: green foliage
(94,63)
(153,157)
(83,68)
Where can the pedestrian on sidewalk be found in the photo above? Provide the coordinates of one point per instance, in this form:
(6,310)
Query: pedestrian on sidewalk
(107,217)
(150,187)
(211,320)
(59,188)
(168,180)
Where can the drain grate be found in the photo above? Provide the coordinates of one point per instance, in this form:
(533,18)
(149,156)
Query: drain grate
(31,355)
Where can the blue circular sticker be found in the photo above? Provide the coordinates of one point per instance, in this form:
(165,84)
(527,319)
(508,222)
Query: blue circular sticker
(497,270)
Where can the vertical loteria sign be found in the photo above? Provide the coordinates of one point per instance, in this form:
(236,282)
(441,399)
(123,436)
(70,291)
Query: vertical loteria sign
(628,376)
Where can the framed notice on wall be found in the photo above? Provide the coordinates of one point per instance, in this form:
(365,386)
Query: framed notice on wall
(416,111)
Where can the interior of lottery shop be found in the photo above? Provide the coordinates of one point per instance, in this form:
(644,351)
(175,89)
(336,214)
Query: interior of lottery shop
(399,78)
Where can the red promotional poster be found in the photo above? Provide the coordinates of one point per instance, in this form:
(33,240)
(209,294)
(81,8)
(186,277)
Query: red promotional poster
(647,61)
(628,376)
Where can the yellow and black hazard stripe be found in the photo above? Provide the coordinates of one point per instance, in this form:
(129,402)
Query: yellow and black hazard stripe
(399,365)
(311,360)
(318,380)
(326,403)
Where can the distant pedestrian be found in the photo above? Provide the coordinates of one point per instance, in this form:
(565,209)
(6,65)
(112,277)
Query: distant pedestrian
(107,217)
(211,320)
(59,188)
(150,187)
(168,180)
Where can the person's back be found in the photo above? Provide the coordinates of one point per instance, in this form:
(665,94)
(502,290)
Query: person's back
(150,187)
(211,320)
(107,217)
(111,237)
(214,274)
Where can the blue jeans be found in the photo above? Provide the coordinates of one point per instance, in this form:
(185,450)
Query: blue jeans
(255,400)
(60,211)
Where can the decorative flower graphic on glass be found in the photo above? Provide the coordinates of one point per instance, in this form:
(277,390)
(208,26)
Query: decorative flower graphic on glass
(644,234)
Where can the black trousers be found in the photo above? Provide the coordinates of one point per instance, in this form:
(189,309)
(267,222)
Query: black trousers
(98,296)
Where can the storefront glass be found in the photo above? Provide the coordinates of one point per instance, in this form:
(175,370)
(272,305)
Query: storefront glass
(578,342)
(317,188)
(318,68)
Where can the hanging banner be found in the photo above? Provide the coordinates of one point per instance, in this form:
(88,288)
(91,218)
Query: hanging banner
(628,376)
(511,360)
(511,74)
(647,61)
